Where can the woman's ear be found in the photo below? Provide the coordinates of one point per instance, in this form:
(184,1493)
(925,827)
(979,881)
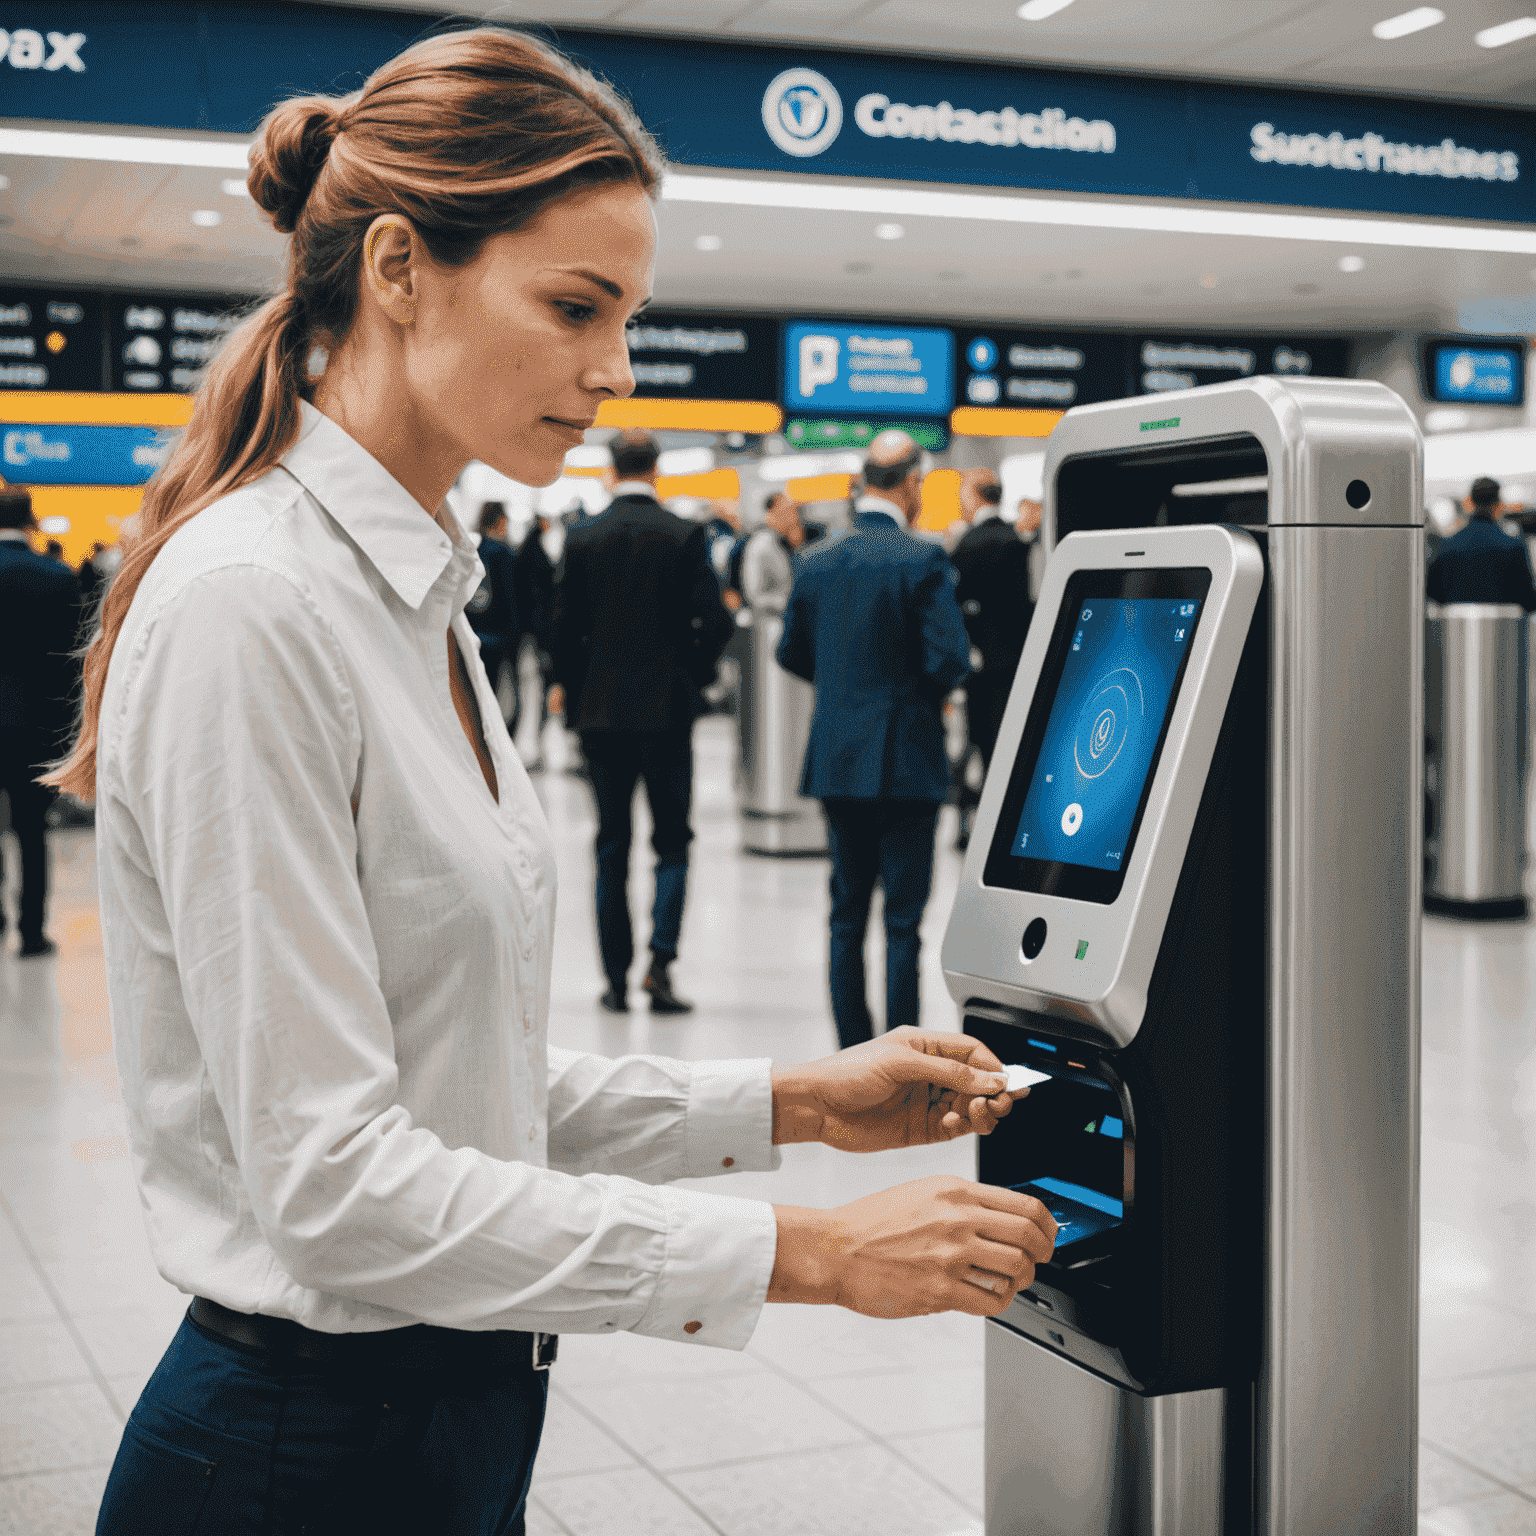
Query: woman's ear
(391,255)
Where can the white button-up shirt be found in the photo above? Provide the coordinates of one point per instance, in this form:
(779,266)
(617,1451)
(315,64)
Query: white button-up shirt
(328,955)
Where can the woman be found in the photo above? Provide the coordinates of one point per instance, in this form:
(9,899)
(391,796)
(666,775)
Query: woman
(327,888)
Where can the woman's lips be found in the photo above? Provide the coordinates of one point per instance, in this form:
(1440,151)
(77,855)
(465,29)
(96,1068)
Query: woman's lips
(576,432)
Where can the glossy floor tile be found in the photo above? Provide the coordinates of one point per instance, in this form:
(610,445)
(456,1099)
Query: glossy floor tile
(827,1422)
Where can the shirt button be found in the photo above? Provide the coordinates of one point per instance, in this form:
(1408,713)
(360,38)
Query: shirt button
(692,1327)
(727,1162)
(530,1133)
(527,1021)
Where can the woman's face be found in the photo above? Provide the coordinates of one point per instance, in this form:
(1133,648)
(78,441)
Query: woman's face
(513,353)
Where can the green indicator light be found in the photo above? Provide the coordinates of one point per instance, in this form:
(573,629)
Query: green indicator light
(1082,948)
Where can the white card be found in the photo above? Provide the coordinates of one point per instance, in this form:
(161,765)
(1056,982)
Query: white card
(1024,1077)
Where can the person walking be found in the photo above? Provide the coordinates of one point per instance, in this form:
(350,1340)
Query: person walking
(39,625)
(873,623)
(492,607)
(328,887)
(1480,563)
(638,631)
(535,587)
(992,564)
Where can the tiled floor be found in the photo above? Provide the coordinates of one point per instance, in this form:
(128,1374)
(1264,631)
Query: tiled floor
(828,1424)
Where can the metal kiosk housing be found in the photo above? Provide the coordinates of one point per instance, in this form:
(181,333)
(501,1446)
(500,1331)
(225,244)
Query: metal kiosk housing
(1245,1357)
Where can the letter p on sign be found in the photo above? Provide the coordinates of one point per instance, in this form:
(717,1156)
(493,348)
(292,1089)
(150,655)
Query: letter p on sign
(818,362)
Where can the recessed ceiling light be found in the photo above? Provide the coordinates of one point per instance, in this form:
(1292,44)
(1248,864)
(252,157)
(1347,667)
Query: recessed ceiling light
(207,218)
(1506,32)
(1410,21)
(708,243)
(1208,280)
(1351,263)
(1038,10)
(889,231)
(234,186)
(5,183)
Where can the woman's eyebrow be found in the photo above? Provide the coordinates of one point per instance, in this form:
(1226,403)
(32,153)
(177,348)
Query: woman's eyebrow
(606,284)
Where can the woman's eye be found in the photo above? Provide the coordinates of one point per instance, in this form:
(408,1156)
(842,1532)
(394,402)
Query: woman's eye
(574,311)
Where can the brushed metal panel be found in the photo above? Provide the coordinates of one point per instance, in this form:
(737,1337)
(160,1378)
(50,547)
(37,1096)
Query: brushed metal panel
(1339,1387)
(1070,1454)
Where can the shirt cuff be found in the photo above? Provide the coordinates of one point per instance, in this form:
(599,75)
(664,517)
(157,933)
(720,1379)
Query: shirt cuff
(720,1257)
(729,1125)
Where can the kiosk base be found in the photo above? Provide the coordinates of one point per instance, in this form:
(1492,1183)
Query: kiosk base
(1071,1454)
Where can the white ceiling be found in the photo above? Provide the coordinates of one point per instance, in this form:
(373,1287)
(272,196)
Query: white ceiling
(1325,43)
(125,225)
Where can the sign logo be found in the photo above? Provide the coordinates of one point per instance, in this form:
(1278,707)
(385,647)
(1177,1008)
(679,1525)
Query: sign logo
(1159,426)
(802,112)
(818,362)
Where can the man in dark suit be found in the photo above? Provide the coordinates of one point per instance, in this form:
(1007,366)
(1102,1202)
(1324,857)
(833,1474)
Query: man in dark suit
(39,622)
(492,607)
(992,563)
(1482,563)
(873,623)
(637,633)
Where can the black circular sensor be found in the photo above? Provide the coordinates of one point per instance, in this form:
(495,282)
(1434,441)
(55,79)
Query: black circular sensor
(1034,938)
(1357,493)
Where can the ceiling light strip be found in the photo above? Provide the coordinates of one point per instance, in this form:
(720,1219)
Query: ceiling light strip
(216,154)
(1162,218)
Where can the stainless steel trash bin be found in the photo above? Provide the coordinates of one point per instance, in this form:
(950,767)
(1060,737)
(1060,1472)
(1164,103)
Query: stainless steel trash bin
(1475,722)
(775,717)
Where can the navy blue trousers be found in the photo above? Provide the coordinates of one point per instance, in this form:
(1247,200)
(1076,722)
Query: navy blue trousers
(231,1441)
(890,841)
(618,761)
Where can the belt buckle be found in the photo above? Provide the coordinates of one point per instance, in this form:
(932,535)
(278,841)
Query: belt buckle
(546,1347)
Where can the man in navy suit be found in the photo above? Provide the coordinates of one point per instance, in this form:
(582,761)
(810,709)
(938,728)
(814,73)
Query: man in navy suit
(873,623)
(1482,563)
(39,622)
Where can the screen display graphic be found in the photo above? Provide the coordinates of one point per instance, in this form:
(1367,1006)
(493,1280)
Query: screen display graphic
(1104,727)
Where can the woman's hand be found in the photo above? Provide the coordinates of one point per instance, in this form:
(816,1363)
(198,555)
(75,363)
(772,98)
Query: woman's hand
(908,1088)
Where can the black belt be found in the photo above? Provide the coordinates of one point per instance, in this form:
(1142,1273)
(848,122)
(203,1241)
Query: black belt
(419,1347)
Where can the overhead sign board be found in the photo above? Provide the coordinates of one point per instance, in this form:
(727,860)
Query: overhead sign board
(50,339)
(80,455)
(876,370)
(1167,362)
(1041,370)
(801,109)
(693,355)
(160,343)
(1468,370)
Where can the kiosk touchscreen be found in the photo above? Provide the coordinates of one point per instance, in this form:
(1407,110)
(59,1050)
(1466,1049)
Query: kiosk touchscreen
(1098,772)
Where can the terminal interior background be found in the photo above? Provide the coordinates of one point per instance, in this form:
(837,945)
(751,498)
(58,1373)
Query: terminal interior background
(119,268)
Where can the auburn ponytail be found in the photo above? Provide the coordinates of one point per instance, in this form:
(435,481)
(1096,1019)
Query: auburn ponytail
(467,135)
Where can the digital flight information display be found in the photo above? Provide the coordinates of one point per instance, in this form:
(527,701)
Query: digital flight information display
(1105,723)
(1080,782)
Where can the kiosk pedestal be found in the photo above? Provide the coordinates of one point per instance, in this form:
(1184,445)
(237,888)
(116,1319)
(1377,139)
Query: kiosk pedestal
(1192,897)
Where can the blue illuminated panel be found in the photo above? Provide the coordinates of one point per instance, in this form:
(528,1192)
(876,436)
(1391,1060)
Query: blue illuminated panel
(1116,689)
(1478,375)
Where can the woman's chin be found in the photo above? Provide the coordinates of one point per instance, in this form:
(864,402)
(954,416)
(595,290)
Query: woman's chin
(537,472)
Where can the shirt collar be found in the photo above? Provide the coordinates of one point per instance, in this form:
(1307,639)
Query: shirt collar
(634,488)
(986,512)
(14,536)
(409,549)
(868,503)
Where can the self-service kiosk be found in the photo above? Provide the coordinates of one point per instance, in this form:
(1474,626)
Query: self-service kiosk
(1192,898)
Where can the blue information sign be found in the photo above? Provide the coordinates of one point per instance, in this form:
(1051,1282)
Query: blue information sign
(80,455)
(869,369)
(1476,373)
(798,109)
